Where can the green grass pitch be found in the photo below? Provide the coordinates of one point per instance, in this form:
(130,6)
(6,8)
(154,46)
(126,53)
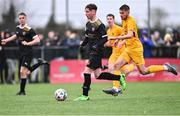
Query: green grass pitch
(140,98)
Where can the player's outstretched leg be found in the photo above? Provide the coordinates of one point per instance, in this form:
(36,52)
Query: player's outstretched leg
(40,62)
(157,68)
(109,76)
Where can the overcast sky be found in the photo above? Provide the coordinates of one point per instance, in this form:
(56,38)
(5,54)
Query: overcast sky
(40,10)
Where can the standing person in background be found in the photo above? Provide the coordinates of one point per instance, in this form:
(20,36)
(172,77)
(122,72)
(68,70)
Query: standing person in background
(147,43)
(27,38)
(2,59)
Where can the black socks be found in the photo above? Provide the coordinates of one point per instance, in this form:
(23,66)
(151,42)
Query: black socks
(108,76)
(23,84)
(86,84)
(103,76)
(35,66)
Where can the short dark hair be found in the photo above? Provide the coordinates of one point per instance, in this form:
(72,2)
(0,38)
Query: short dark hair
(124,7)
(91,7)
(22,13)
(110,15)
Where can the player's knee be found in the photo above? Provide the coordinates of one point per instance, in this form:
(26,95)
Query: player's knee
(116,66)
(110,68)
(96,75)
(23,73)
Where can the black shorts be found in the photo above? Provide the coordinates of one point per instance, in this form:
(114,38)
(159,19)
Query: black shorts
(25,60)
(94,61)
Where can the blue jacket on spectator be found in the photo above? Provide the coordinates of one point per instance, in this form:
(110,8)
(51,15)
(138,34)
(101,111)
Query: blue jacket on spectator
(147,43)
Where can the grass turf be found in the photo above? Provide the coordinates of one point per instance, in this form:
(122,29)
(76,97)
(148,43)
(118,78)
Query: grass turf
(140,98)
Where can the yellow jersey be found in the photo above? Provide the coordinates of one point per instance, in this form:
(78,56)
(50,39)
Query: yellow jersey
(115,31)
(130,25)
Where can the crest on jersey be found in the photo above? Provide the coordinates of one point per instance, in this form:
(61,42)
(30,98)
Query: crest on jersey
(24,33)
(93,29)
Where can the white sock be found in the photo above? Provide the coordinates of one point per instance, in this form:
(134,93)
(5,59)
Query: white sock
(116,89)
(165,67)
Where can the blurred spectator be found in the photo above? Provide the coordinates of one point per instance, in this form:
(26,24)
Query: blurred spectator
(41,37)
(177,41)
(168,40)
(62,41)
(1,61)
(11,59)
(176,37)
(3,64)
(35,74)
(147,43)
(156,38)
(73,39)
(52,39)
(157,41)
(168,37)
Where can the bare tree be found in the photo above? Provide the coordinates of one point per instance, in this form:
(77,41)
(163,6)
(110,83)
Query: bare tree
(9,18)
(158,17)
(8,14)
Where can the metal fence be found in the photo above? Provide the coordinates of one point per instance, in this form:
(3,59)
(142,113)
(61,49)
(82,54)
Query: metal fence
(10,59)
(49,53)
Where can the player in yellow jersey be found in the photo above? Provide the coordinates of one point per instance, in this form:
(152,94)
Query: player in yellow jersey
(115,30)
(134,50)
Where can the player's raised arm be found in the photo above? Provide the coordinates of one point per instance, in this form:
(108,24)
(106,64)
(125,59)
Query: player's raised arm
(129,35)
(4,41)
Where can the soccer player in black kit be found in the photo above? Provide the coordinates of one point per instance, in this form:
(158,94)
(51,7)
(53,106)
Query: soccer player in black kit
(95,37)
(27,37)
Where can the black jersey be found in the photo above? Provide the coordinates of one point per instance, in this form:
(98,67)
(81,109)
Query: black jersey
(95,35)
(25,33)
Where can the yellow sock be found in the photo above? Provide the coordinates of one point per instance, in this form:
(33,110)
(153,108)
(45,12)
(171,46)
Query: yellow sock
(155,68)
(128,68)
(116,83)
(131,67)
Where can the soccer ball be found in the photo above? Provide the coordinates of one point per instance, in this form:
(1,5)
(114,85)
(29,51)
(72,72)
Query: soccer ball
(60,94)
